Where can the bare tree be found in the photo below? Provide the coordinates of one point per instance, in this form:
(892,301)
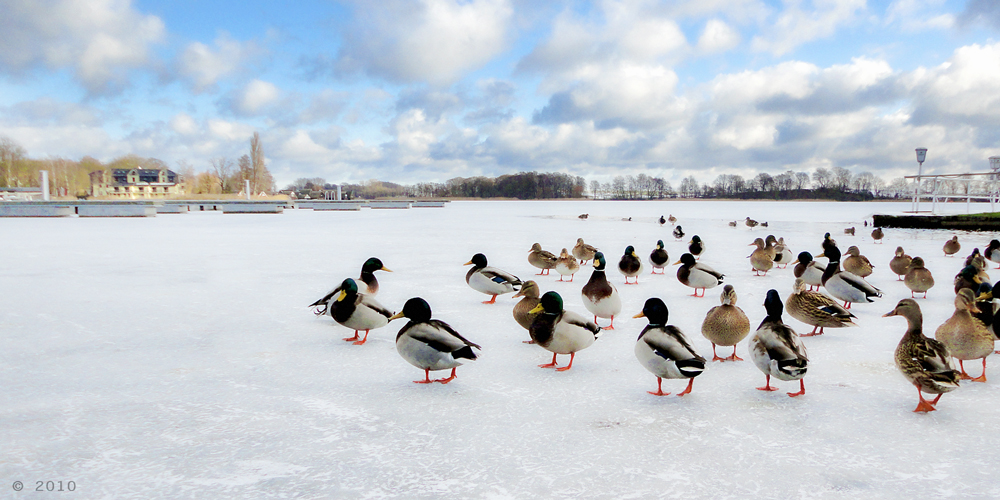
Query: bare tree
(222,169)
(10,152)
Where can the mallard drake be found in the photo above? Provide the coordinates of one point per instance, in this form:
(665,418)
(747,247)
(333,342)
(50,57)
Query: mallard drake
(522,310)
(777,350)
(965,336)
(678,232)
(583,251)
(725,324)
(367,277)
(952,246)
(542,259)
(782,255)
(849,231)
(630,265)
(968,277)
(761,259)
(987,309)
(751,223)
(877,234)
(659,258)
(697,275)
(925,362)
(357,311)
(664,350)
(566,265)
(900,263)
(696,247)
(992,252)
(599,296)
(559,331)
(672,220)
(490,280)
(827,243)
(846,286)
(816,309)
(918,278)
(662,220)
(430,344)
(857,264)
(809,270)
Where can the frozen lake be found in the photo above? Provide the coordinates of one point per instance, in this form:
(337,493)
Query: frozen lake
(175,357)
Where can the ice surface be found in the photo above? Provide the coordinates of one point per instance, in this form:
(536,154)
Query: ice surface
(175,357)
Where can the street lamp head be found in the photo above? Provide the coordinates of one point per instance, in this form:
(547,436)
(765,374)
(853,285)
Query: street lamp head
(995,163)
(921,155)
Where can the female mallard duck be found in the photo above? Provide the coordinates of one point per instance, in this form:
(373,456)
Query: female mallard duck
(357,311)
(696,247)
(952,246)
(672,220)
(367,277)
(630,265)
(751,223)
(678,232)
(725,324)
(599,296)
(977,260)
(918,278)
(659,258)
(559,331)
(777,350)
(925,362)
(809,270)
(816,309)
(846,286)
(490,280)
(900,264)
(968,277)
(771,244)
(664,350)
(782,255)
(522,310)
(857,264)
(965,336)
(761,258)
(992,252)
(430,344)
(583,251)
(566,265)
(697,275)
(542,259)
(877,235)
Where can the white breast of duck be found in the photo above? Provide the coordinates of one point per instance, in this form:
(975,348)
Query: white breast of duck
(775,348)
(599,296)
(663,349)
(560,331)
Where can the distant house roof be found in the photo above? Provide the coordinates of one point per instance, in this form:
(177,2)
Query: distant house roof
(120,176)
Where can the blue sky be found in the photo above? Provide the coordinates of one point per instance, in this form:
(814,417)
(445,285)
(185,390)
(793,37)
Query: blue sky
(424,91)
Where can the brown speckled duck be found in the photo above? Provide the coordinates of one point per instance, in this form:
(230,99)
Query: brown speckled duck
(925,362)
(583,251)
(725,324)
(856,263)
(542,259)
(952,246)
(566,265)
(816,309)
(965,336)
(900,263)
(918,278)
(522,310)
(761,259)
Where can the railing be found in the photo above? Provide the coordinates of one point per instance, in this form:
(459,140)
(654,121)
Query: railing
(977,186)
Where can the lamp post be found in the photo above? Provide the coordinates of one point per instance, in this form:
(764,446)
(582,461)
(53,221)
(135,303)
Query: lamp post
(921,156)
(995,166)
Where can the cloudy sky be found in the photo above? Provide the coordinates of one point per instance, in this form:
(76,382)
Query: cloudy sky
(426,90)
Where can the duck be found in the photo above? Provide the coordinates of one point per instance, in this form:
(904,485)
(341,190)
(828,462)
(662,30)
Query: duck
(952,246)
(827,243)
(777,350)
(763,224)
(846,286)
(662,220)
(696,247)
(992,252)
(630,265)
(583,251)
(732,223)
(367,277)
(664,350)
(358,311)
(816,309)
(761,259)
(968,277)
(583,216)
(900,263)
(782,255)
(918,278)
(965,336)
(770,245)
(977,260)
(925,362)
(490,280)
(430,344)
(559,331)
(672,220)
(725,324)
(856,263)
(849,231)
(987,307)
(809,270)
(600,297)
(542,259)
(659,258)
(751,223)
(678,232)
(877,234)
(697,275)
(566,265)
(522,310)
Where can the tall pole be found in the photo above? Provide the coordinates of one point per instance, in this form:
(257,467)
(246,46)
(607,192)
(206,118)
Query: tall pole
(45,184)
(921,156)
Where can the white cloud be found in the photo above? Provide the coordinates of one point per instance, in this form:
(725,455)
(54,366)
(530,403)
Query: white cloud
(796,26)
(967,85)
(919,15)
(203,66)
(717,37)
(183,124)
(99,40)
(256,98)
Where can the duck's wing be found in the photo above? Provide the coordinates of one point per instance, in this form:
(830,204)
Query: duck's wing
(574,319)
(933,358)
(669,343)
(322,304)
(500,276)
(370,302)
(704,267)
(441,337)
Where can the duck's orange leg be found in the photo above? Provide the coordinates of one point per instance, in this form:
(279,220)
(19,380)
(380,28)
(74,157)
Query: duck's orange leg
(570,365)
(659,388)
(981,378)
(688,389)
(362,341)
(925,406)
(549,365)
(426,380)
(802,389)
(355,337)
(734,357)
(491,301)
(449,379)
(767,385)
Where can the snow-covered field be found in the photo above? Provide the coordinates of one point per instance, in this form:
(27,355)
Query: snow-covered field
(175,357)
